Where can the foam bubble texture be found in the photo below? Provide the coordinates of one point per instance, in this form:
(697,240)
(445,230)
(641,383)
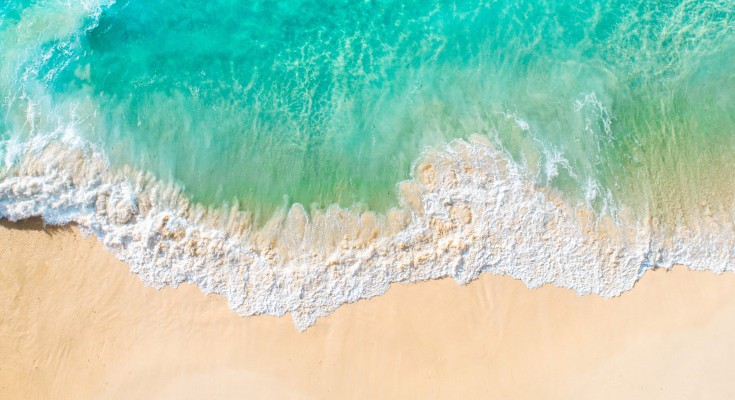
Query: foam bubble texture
(468,210)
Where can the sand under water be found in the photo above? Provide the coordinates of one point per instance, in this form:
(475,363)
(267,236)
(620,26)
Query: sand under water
(311,164)
(294,158)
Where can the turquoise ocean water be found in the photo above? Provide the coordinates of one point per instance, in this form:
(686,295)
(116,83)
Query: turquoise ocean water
(610,105)
(274,102)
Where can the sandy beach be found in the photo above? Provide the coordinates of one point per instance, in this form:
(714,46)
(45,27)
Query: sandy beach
(76,324)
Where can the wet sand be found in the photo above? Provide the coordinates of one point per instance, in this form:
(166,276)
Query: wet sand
(76,324)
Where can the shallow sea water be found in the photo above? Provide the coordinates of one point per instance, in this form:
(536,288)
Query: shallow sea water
(272,103)
(308,129)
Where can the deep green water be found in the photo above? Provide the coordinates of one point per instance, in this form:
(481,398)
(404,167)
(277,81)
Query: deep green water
(268,102)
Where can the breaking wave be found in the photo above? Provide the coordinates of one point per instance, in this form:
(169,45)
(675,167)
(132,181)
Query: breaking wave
(480,204)
(468,209)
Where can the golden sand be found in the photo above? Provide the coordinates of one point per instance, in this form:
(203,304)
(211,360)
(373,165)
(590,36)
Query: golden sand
(76,324)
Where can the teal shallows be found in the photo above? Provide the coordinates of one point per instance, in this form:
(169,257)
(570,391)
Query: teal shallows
(322,102)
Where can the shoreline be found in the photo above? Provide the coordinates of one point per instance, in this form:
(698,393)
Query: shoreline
(469,210)
(79,324)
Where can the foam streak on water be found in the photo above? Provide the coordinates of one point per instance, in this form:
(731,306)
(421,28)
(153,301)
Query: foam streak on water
(473,211)
(580,154)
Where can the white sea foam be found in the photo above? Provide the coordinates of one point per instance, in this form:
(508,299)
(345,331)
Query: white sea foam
(468,210)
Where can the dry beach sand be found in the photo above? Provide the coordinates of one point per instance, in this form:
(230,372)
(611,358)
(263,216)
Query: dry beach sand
(76,324)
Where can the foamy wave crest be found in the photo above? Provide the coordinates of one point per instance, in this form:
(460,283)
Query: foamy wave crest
(468,210)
